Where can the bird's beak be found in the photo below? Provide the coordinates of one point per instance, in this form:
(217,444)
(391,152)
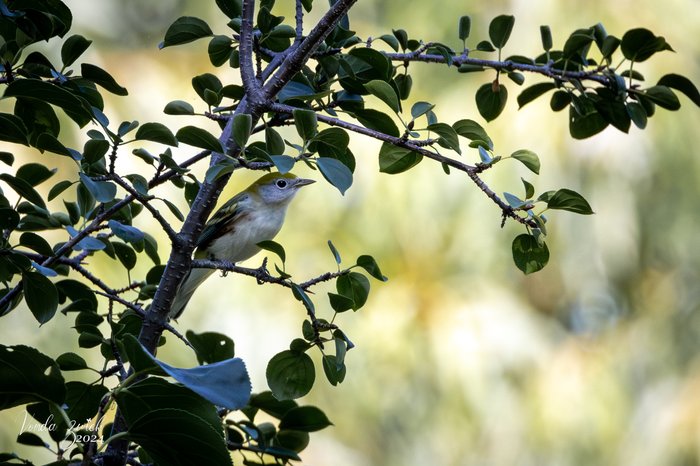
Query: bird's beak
(303,182)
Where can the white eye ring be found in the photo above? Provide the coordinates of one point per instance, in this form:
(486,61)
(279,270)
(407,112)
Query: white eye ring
(281,184)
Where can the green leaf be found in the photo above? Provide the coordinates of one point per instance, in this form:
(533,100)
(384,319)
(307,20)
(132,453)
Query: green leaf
(528,158)
(158,430)
(231,8)
(73,48)
(586,125)
(47,142)
(500,29)
(529,189)
(378,121)
(546,36)
(28,376)
(529,256)
(273,247)
(219,50)
(663,97)
(36,243)
(340,303)
(335,372)
(156,132)
(41,296)
(199,137)
(305,419)
(560,100)
(370,265)
(637,114)
(102,191)
(24,189)
(211,346)
(566,199)
(334,251)
(465,25)
(71,362)
(185,29)
(305,123)
(514,201)
(385,93)
(242,126)
(274,143)
(34,173)
(448,136)
(125,254)
(531,93)
(393,159)
(683,84)
(9,218)
(354,286)
(76,108)
(473,131)
(12,129)
(491,99)
(6,157)
(335,172)
(31,439)
(640,44)
(290,375)
(178,107)
(485,46)
(102,78)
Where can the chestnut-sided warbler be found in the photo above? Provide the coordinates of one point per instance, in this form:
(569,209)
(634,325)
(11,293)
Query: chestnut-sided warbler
(233,232)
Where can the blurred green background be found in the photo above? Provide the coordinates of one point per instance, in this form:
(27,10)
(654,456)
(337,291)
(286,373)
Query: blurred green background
(460,359)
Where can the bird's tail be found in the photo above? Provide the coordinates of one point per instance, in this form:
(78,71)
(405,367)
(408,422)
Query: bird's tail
(191,282)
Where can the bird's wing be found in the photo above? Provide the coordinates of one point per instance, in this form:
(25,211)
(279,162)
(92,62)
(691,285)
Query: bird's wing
(222,219)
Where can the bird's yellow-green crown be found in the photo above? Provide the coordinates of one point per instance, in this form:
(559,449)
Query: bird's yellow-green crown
(265,179)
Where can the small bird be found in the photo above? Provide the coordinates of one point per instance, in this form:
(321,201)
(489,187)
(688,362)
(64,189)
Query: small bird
(233,232)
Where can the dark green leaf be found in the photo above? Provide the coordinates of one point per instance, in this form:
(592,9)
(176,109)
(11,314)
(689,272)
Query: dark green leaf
(473,131)
(336,254)
(242,126)
(305,419)
(12,129)
(211,346)
(663,97)
(531,93)
(31,439)
(156,132)
(566,199)
(560,100)
(485,46)
(587,125)
(393,159)
(6,157)
(640,44)
(385,93)
(9,218)
(41,296)
(71,362)
(683,84)
(24,189)
(290,375)
(77,109)
(47,142)
(377,121)
(637,114)
(340,303)
(370,265)
(448,136)
(529,189)
(528,158)
(73,48)
(158,430)
(274,247)
(28,376)
(219,50)
(283,163)
(35,243)
(199,137)
(178,107)
(185,29)
(102,78)
(34,173)
(546,36)
(465,25)
(274,143)
(491,100)
(500,29)
(335,172)
(354,286)
(231,8)
(528,254)
(306,124)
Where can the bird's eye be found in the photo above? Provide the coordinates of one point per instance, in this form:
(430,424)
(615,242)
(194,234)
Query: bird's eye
(281,184)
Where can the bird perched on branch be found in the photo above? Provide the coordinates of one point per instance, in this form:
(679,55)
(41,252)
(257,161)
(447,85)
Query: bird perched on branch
(233,232)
